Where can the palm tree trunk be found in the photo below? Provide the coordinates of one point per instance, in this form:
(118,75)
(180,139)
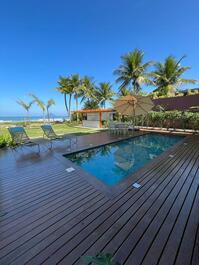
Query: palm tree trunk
(65,102)
(27,119)
(77,108)
(43,116)
(48,115)
(69,108)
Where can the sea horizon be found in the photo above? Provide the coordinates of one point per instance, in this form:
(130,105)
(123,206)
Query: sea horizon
(21,118)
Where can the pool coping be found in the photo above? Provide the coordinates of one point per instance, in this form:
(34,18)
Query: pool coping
(112,191)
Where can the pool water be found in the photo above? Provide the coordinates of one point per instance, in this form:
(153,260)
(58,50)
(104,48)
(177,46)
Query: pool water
(114,162)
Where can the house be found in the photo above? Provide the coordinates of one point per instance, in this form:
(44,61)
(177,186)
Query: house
(94,118)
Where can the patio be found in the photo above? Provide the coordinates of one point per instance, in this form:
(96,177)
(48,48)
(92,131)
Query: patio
(50,216)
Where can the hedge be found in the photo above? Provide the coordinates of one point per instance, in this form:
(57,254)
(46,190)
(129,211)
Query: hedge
(170,119)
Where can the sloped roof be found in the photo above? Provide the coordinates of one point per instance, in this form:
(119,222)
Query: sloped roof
(182,103)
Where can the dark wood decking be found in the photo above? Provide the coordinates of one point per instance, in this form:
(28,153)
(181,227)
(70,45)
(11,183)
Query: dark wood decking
(49,216)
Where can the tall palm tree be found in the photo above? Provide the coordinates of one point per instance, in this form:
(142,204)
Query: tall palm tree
(168,76)
(91,104)
(133,71)
(26,106)
(124,91)
(40,104)
(76,84)
(65,87)
(104,93)
(50,102)
(88,89)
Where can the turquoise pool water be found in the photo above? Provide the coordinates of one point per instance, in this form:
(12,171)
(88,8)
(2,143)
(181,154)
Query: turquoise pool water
(114,162)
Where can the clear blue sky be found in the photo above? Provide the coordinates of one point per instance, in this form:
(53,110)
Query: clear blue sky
(41,40)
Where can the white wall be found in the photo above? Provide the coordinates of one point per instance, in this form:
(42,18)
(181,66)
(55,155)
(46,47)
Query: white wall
(93,117)
(91,124)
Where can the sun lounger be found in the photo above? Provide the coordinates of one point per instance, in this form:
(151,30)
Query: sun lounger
(50,134)
(20,138)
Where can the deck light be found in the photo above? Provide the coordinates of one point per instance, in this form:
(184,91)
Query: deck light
(70,169)
(136,185)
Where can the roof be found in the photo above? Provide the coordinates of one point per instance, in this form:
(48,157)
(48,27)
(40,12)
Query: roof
(94,110)
(182,103)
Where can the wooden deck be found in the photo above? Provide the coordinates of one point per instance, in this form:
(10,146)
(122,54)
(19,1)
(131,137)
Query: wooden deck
(49,216)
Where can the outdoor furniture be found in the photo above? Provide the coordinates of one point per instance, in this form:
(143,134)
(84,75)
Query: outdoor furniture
(20,138)
(122,127)
(52,136)
(112,128)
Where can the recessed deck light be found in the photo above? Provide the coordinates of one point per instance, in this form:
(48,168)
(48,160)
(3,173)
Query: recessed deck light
(70,169)
(136,185)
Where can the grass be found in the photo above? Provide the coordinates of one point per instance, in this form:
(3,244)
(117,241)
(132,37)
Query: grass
(34,130)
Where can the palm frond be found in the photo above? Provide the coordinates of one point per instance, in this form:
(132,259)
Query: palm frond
(38,101)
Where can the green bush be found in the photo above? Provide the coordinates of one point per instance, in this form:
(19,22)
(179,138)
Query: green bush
(5,141)
(170,119)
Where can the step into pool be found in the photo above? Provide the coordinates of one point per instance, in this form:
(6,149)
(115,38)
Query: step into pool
(112,163)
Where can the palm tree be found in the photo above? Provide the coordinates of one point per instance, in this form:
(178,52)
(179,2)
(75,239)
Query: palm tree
(65,88)
(76,84)
(104,93)
(26,106)
(91,104)
(133,71)
(124,91)
(88,89)
(50,102)
(168,76)
(40,104)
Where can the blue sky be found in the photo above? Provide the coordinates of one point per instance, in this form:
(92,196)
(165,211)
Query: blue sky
(41,40)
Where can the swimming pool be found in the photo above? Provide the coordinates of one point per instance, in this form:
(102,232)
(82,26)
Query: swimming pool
(114,162)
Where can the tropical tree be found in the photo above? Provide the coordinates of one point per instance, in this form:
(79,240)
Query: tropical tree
(26,106)
(124,92)
(167,76)
(104,93)
(76,84)
(91,104)
(50,103)
(132,71)
(88,89)
(65,87)
(40,104)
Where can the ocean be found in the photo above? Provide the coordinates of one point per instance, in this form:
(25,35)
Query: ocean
(32,118)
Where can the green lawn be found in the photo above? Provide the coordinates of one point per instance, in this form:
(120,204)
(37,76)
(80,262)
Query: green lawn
(35,131)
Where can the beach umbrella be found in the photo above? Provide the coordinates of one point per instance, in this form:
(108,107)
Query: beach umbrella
(133,105)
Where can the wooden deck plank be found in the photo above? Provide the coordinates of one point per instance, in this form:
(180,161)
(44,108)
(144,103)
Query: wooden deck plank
(186,246)
(117,239)
(166,217)
(195,256)
(55,217)
(94,226)
(132,220)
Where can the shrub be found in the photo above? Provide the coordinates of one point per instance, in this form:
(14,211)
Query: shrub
(170,119)
(100,259)
(5,141)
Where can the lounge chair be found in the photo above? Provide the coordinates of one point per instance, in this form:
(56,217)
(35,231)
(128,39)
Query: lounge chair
(20,138)
(52,136)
